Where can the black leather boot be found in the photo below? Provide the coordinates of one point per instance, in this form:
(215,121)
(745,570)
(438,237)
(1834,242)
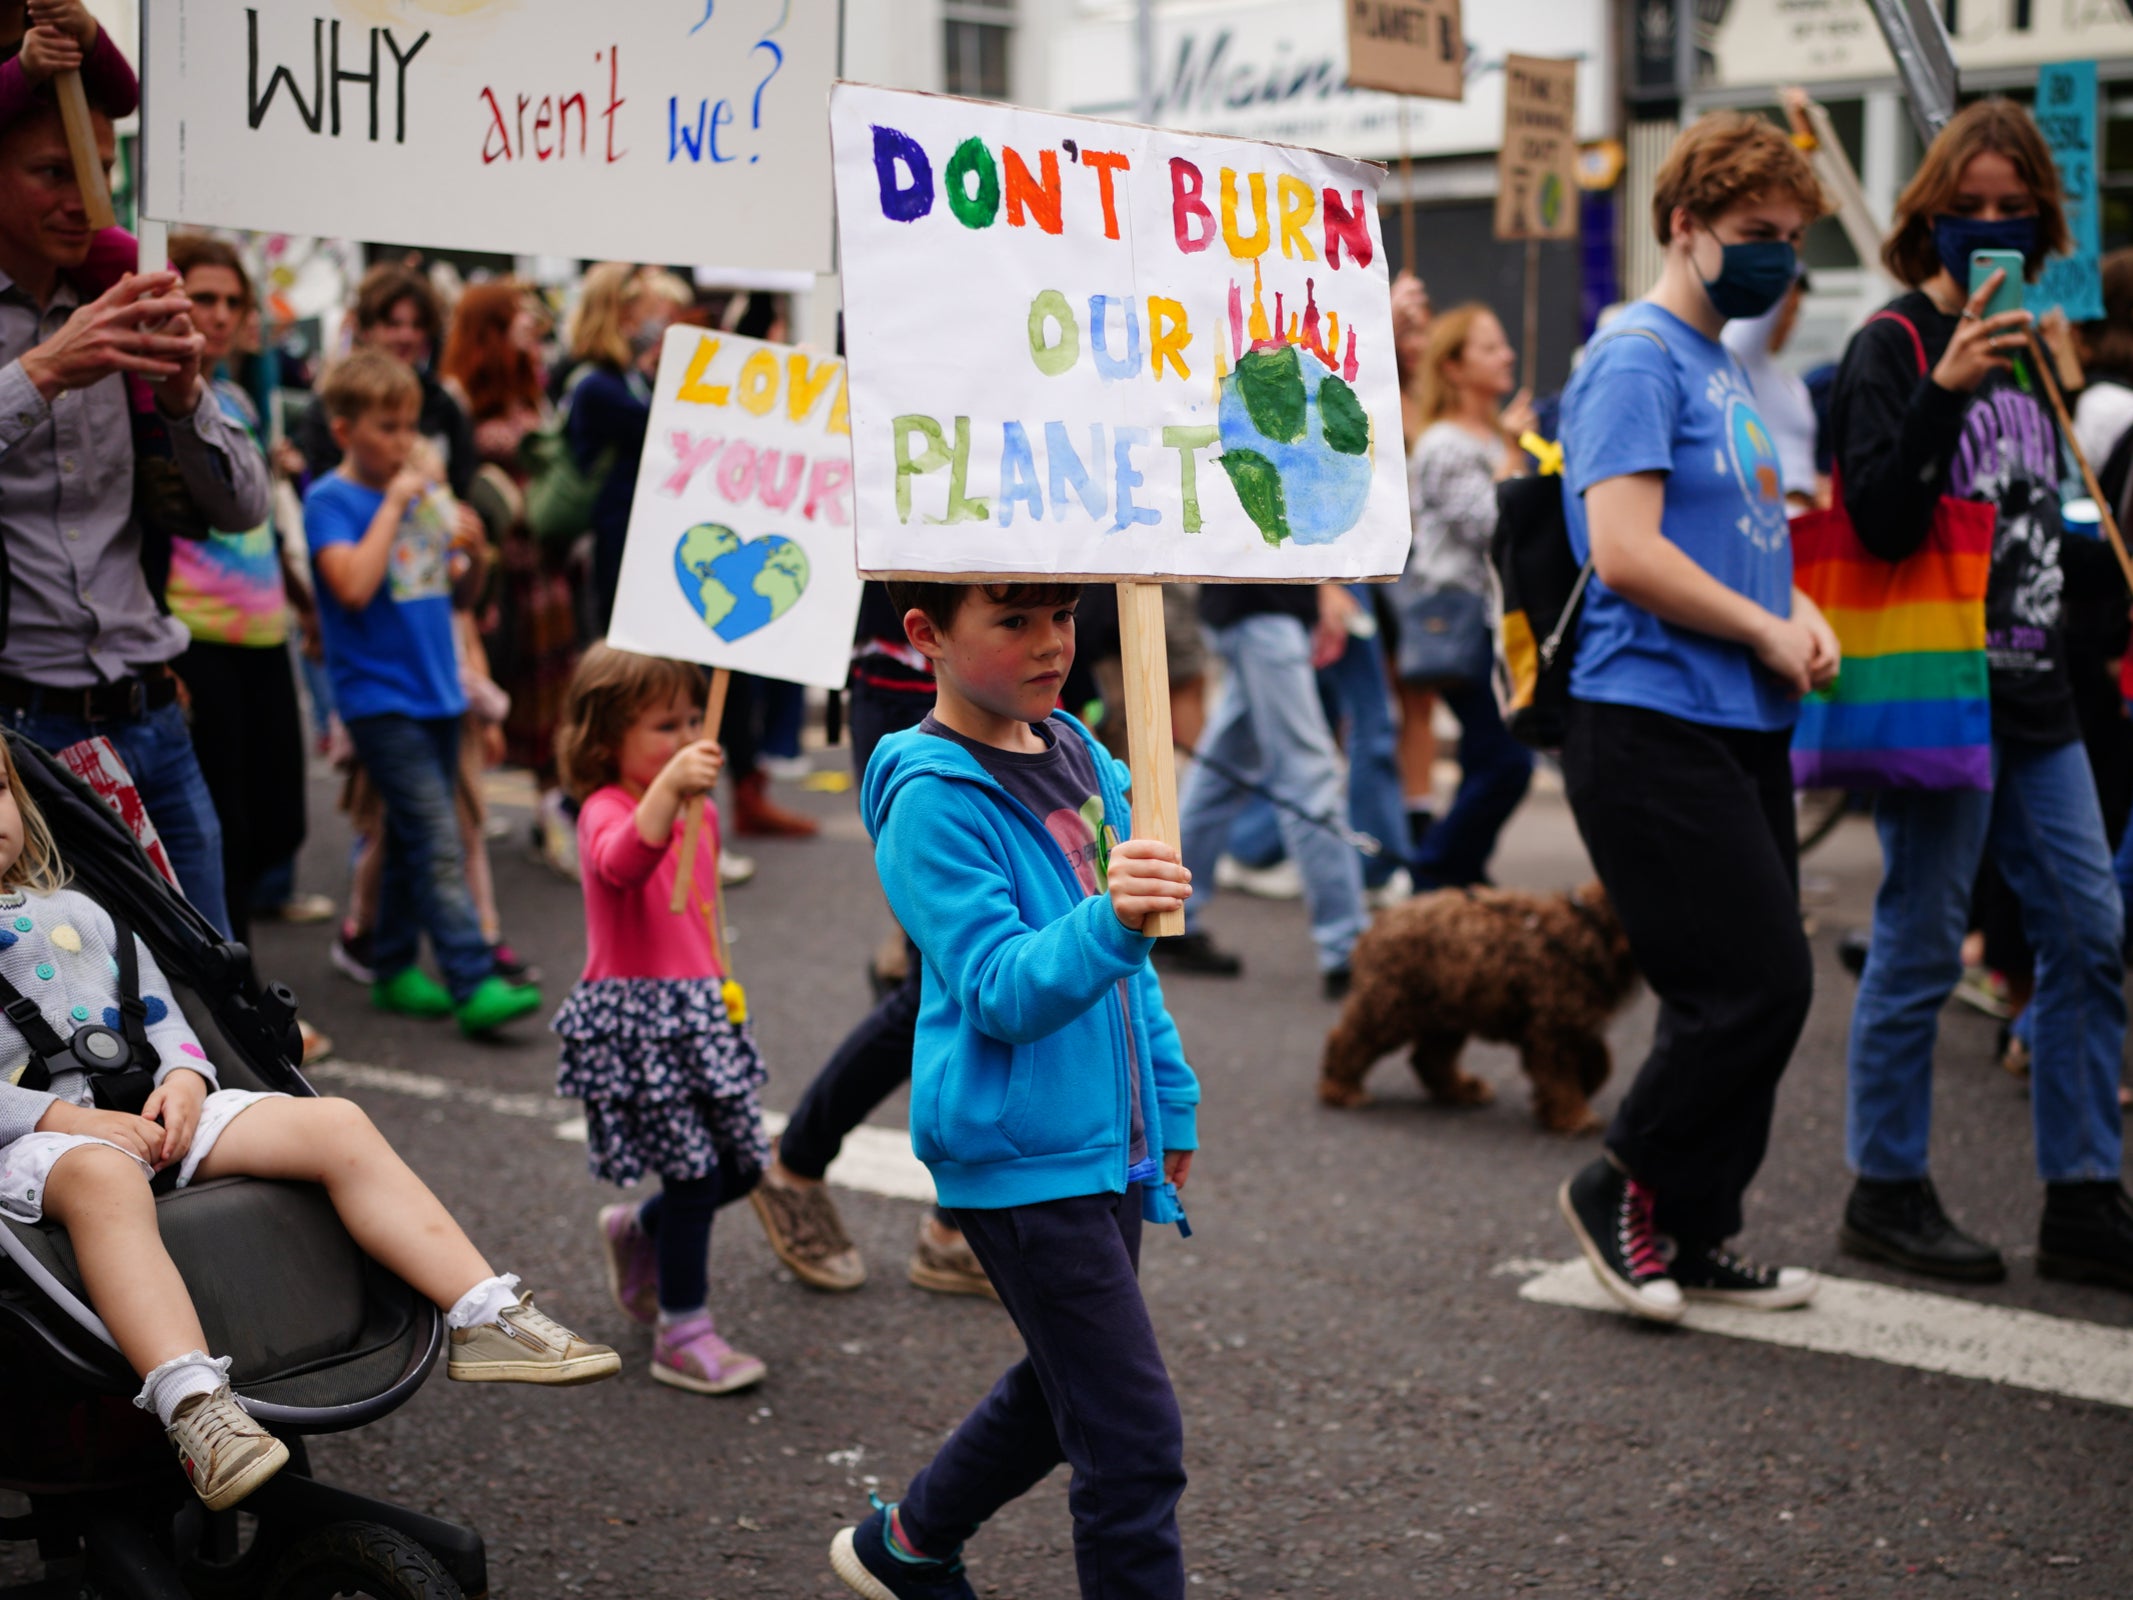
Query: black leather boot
(1903,1224)
(2087,1234)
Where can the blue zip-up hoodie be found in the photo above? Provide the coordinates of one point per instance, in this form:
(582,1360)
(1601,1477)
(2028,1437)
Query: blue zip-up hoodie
(1018,1077)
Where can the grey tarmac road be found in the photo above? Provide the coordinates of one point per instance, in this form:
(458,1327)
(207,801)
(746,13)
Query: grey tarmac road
(1371,1409)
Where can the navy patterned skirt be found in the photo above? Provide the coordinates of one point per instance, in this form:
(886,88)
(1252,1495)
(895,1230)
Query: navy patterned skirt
(669,1082)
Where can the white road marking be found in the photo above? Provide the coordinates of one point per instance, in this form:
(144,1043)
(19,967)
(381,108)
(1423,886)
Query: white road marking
(1904,1327)
(874,1160)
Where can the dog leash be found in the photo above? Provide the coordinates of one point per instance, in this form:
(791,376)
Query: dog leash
(1369,844)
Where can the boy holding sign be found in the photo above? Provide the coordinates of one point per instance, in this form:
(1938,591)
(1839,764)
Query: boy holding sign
(1050,1097)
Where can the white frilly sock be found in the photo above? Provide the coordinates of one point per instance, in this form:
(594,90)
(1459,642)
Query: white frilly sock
(484,1303)
(178,1380)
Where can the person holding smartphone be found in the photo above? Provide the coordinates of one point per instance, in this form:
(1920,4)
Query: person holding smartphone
(1942,398)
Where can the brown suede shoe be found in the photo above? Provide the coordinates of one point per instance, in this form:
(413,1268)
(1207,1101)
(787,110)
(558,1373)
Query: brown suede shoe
(950,1268)
(806,1233)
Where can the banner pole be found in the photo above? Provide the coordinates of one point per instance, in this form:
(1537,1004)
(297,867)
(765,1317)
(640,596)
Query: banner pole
(1155,774)
(714,713)
(81,145)
(1531,354)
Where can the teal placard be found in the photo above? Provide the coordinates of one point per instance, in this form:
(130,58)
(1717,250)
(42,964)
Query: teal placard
(2066,111)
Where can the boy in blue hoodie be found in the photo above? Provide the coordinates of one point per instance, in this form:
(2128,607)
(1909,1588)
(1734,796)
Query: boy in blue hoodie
(1049,1096)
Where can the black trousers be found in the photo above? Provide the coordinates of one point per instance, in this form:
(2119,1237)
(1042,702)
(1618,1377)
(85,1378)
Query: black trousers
(1691,830)
(875,1059)
(1092,1392)
(248,735)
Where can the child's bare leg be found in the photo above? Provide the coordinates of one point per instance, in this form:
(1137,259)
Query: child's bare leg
(387,1209)
(101,1197)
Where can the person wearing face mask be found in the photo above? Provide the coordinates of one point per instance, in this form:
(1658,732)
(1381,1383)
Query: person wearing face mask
(1692,653)
(1936,399)
(621,316)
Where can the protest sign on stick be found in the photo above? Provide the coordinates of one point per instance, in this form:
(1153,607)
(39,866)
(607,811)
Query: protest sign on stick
(1537,171)
(2066,112)
(540,127)
(1098,352)
(739,552)
(1407,47)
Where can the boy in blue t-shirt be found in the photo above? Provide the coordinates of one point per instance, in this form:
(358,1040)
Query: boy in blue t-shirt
(382,554)
(1049,1096)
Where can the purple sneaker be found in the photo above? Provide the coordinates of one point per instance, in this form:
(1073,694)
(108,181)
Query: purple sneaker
(690,1355)
(632,1267)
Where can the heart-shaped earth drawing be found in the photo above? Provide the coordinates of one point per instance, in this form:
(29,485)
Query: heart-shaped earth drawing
(738,585)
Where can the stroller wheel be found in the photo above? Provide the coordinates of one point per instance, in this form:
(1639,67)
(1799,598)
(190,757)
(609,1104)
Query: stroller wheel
(360,1559)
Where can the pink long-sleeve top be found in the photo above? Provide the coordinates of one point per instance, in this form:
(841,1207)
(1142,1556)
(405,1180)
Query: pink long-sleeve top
(629,932)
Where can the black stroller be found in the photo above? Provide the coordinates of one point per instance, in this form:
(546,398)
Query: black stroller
(322,1339)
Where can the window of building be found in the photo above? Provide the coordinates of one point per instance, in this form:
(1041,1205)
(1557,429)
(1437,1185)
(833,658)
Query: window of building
(976,35)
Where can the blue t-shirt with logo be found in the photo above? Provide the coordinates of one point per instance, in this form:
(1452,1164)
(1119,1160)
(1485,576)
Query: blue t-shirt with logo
(395,656)
(1678,404)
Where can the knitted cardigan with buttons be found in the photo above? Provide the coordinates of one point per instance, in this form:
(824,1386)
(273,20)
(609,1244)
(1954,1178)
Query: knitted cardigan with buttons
(57,949)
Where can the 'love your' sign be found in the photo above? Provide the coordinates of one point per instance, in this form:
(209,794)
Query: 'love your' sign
(740,537)
(1081,347)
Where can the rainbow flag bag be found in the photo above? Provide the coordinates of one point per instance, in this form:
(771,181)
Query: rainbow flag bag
(1911,707)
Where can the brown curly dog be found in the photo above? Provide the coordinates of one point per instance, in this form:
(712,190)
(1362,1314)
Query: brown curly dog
(1543,972)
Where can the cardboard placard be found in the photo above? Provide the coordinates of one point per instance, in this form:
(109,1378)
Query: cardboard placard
(1537,167)
(1090,349)
(674,133)
(2066,112)
(1407,47)
(739,552)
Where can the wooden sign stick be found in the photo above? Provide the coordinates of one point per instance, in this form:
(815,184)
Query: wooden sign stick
(81,144)
(1533,315)
(2088,477)
(714,713)
(1155,772)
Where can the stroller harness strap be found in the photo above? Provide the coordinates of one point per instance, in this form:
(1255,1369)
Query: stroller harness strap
(119,1064)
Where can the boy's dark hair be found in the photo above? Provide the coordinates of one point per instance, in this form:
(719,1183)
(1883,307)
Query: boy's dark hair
(941,601)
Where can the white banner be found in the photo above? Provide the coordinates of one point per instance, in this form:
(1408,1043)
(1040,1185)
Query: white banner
(1086,348)
(675,132)
(740,538)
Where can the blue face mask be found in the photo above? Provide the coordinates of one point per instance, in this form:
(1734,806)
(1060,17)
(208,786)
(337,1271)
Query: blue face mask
(1954,238)
(1752,277)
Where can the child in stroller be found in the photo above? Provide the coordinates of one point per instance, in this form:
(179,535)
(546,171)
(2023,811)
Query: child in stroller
(89,1116)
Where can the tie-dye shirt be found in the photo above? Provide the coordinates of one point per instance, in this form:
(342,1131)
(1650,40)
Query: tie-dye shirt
(227,588)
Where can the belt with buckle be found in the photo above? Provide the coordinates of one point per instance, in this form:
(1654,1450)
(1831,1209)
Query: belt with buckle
(120,701)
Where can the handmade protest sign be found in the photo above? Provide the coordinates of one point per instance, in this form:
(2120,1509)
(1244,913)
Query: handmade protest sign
(1084,348)
(1537,166)
(2066,112)
(1407,47)
(669,132)
(739,551)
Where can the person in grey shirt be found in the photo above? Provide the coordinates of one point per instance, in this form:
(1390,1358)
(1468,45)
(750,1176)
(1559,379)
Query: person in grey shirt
(84,645)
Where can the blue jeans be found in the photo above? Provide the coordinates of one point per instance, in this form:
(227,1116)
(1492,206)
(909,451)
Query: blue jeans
(1268,727)
(413,763)
(1494,769)
(2042,824)
(1353,691)
(158,752)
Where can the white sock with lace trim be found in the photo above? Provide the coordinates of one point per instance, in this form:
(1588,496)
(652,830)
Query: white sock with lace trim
(484,1303)
(177,1380)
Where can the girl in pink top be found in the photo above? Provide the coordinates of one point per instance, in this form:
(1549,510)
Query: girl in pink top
(668,1075)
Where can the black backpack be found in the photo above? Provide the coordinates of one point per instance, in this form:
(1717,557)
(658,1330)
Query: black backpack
(1543,590)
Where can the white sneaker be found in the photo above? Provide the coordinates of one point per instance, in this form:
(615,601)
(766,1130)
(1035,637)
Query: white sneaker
(734,870)
(787,769)
(1391,892)
(1281,881)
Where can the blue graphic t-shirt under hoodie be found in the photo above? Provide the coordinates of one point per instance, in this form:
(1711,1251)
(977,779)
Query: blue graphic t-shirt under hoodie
(1058,784)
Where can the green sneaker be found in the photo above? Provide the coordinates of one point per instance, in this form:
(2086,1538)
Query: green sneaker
(413,993)
(495,1002)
